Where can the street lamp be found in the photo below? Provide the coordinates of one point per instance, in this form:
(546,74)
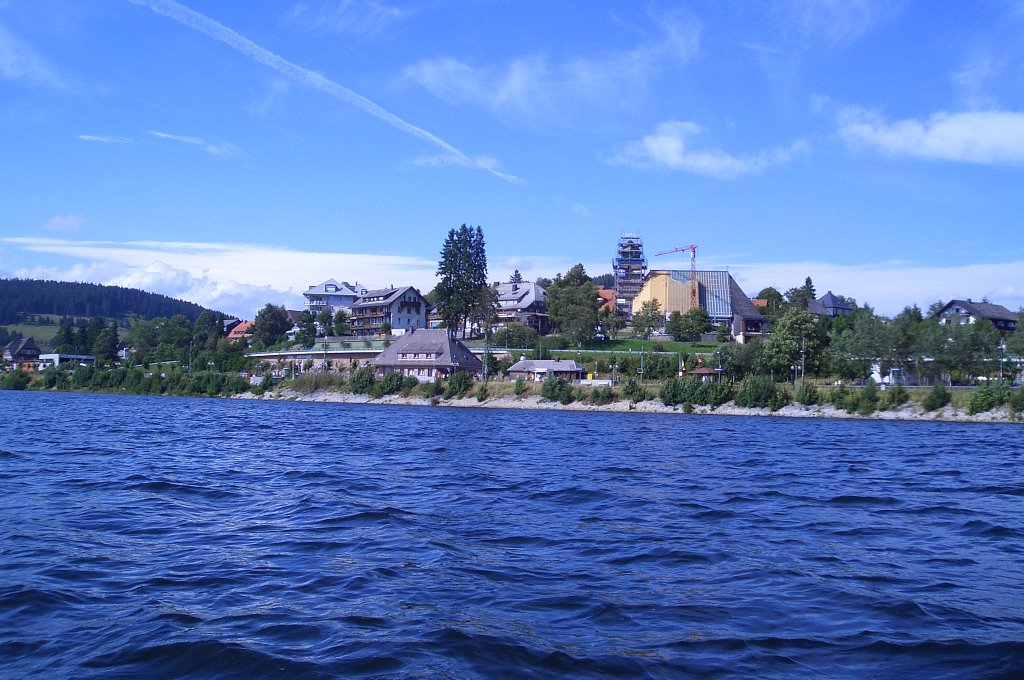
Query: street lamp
(1002,356)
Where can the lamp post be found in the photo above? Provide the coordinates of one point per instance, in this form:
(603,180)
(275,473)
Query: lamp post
(1002,356)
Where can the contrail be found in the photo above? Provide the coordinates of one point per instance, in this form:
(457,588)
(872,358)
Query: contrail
(204,24)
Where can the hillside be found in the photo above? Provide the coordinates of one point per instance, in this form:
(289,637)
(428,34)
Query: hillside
(21,299)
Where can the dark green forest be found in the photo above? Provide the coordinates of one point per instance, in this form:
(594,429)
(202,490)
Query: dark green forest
(20,298)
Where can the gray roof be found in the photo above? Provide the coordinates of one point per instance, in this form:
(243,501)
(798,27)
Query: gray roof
(386,295)
(518,295)
(817,307)
(343,288)
(22,346)
(982,310)
(830,301)
(549,365)
(451,351)
(720,295)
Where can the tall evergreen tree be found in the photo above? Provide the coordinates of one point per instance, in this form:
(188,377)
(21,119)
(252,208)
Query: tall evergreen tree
(462,289)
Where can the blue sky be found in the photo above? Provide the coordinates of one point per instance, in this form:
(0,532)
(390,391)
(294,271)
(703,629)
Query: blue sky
(235,153)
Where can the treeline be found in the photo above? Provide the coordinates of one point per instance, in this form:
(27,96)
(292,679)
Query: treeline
(137,381)
(21,297)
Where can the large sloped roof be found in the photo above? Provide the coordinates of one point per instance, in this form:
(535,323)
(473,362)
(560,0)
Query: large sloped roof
(983,310)
(431,342)
(382,296)
(720,295)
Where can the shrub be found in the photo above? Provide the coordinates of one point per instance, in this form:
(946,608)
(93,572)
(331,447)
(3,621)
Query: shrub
(15,380)
(937,397)
(458,385)
(391,383)
(409,383)
(982,399)
(867,403)
(760,391)
(521,388)
(481,392)
(714,393)
(362,380)
(634,391)
(430,389)
(1016,402)
(557,389)
(600,396)
(806,394)
(896,396)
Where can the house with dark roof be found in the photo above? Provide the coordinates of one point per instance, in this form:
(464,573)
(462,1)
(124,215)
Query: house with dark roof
(539,370)
(829,305)
(403,309)
(968,311)
(717,293)
(521,303)
(427,355)
(23,353)
(332,296)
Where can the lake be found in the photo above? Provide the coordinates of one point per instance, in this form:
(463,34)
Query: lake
(169,537)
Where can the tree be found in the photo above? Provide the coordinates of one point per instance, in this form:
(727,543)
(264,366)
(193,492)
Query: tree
(689,326)
(774,299)
(342,323)
(325,322)
(800,297)
(516,277)
(306,335)
(105,347)
(648,319)
(463,272)
(611,321)
(572,305)
(793,334)
(271,325)
(606,280)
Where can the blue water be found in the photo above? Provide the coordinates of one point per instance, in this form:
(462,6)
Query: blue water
(162,537)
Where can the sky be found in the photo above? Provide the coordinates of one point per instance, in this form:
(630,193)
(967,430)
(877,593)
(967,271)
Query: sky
(236,153)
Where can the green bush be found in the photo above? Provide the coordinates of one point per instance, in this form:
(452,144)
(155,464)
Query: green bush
(1016,402)
(15,380)
(362,380)
(634,391)
(458,385)
(760,391)
(481,392)
(806,394)
(867,402)
(982,399)
(521,388)
(896,396)
(430,389)
(557,389)
(391,383)
(937,397)
(600,396)
(409,383)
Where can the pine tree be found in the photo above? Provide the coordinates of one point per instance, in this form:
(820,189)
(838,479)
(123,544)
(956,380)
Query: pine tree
(462,290)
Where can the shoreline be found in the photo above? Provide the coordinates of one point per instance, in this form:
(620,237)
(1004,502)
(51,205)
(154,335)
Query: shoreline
(909,412)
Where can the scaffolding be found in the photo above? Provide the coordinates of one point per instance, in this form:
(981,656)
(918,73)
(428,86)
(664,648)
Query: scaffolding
(630,267)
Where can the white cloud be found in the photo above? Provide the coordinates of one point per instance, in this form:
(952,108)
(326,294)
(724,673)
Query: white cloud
(492,165)
(581,210)
(540,87)
(19,60)
(668,146)
(362,18)
(104,139)
(65,223)
(890,286)
(223,275)
(210,28)
(215,148)
(984,137)
(833,23)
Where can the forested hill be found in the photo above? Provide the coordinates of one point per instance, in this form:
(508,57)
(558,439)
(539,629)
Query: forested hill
(19,297)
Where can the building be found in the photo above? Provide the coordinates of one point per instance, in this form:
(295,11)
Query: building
(58,359)
(539,370)
(428,356)
(402,309)
(968,311)
(332,296)
(23,353)
(829,305)
(630,268)
(605,299)
(241,331)
(717,293)
(522,303)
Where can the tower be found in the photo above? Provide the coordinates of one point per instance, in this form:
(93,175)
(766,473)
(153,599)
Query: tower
(630,267)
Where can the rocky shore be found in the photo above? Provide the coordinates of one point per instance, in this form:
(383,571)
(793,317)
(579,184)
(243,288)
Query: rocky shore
(912,411)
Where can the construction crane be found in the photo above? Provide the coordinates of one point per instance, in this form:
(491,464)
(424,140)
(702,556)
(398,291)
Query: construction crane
(693,271)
